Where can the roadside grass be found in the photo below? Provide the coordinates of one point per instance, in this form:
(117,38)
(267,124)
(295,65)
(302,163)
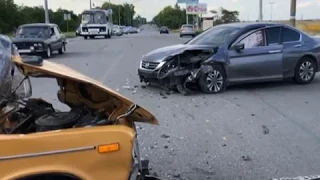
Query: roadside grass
(70,34)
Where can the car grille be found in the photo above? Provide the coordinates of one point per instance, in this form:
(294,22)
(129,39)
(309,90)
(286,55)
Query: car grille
(149,65)
(24,45)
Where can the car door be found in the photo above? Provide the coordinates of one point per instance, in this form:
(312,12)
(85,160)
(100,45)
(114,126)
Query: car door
(292,49)
(59,37)
(261,58)
(53,39)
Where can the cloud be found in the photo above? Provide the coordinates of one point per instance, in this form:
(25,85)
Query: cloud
(304,4)
(235,1)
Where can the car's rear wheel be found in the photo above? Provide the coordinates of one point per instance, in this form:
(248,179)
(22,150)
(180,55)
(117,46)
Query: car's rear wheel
(305,71)
(85,37)
(214,81)
(62,50)
(181,35)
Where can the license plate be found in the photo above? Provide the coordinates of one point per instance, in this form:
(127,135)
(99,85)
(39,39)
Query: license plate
(93,30)
(24,50)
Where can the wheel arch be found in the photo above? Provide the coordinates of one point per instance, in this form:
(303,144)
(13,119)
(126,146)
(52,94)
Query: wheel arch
(49,176)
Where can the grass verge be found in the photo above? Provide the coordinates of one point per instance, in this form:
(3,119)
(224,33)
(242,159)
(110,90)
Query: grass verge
(70,34)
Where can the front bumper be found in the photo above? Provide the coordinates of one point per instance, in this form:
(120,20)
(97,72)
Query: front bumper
(32,51)
(93,33)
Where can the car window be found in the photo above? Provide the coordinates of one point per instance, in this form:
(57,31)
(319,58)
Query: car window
(59,30)
(255,39)
(52,31)
(56,30)
(273,35)
(289,35)
(187,26)
(215,36)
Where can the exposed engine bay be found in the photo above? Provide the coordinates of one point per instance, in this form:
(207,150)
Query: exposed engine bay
(36,115)
(180,72)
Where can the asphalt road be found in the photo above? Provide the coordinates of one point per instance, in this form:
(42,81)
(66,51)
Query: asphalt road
(255,131)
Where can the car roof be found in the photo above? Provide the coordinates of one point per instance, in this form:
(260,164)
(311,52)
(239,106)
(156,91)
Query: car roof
(38,24)
(251,24)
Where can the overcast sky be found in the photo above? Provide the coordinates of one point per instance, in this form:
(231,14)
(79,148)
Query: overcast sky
(306,9)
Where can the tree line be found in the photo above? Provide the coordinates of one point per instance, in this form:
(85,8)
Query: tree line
(13,15)
(175,17)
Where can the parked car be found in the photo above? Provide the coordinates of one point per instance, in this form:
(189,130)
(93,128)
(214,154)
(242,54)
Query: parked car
(187,30)
(117,30)
(164,29)
(234,53)
(128,29)
(40,39)
(133,30)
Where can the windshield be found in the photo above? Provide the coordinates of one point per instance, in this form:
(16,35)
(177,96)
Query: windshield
(87,18)
(94,18)
(187,26)
(38,31)
(215,36)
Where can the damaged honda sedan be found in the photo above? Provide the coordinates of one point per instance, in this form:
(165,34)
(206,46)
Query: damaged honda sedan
(232,53)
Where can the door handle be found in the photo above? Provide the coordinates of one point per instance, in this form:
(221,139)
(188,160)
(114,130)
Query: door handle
(275,51)
(297,45)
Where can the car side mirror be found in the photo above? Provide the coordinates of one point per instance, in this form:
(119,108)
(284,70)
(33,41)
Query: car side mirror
(238,47)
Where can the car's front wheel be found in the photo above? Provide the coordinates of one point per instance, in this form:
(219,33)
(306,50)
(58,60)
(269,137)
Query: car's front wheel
(305,71)
(62,50)
(214,81)
(48,52)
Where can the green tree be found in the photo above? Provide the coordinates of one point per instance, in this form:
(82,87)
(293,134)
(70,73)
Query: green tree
(225,16)
(173,17)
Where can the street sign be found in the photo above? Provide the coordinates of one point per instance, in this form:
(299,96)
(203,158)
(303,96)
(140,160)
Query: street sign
(187,1)
(200,8)
(67,17)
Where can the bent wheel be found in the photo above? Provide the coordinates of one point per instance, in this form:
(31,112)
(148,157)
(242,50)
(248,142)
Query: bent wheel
(213,82)
(305,71)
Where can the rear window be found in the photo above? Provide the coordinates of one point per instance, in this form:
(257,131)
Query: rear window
(187,26)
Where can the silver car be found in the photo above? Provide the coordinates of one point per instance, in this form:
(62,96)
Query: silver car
(187,30)
(234,53)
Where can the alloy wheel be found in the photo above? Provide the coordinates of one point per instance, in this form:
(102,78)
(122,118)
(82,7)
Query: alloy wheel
(214,81)
(306,71)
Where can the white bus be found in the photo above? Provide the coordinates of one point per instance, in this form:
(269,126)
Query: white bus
(96,22)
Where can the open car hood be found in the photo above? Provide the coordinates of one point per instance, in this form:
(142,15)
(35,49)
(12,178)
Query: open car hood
(59,71)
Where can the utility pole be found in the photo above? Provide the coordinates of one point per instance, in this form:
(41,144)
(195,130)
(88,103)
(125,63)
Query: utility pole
(293,13)
(90,5)
(260,11)
(119,15)
(271,4)
(46,11)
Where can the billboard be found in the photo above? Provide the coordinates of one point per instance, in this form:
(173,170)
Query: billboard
(187,1)
(200,8)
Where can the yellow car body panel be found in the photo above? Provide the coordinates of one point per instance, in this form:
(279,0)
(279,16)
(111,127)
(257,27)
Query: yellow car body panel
(74,151)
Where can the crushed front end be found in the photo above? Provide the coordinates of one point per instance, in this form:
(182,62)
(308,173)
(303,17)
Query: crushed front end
(177,72)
